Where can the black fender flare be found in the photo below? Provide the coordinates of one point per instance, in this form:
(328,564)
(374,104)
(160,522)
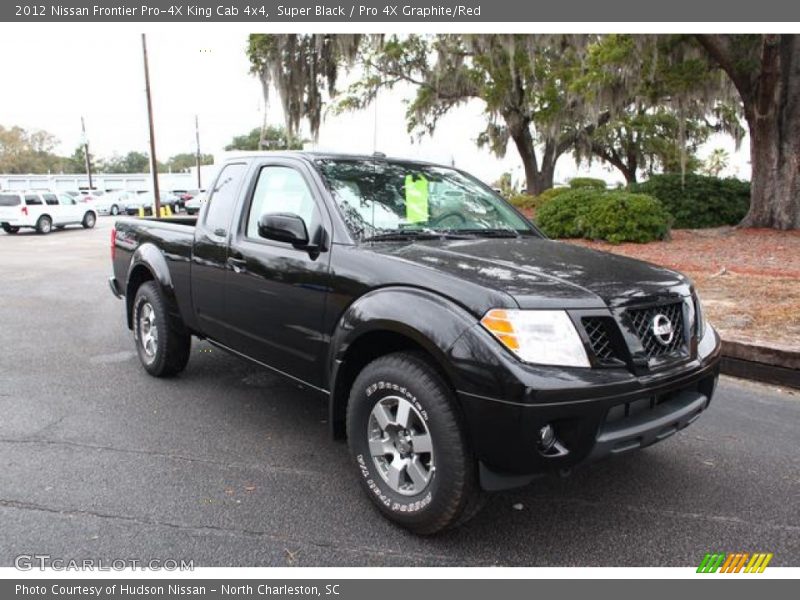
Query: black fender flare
(148,256)
(431,321)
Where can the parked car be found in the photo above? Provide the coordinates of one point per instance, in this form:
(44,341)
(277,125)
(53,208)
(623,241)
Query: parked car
(145,200)
(43,211)
(113,203)
(458,349)
(193,205)
(184,195)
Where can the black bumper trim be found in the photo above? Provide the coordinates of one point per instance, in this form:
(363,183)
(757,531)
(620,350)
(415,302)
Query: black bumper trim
(650,426)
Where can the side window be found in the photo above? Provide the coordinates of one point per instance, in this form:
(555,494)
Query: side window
(66,200)
(281,190)
(223,198)
(51,199)
(33,200)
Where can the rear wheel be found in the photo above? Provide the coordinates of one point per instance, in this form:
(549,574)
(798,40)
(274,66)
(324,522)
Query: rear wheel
(89,220)
(162,344)
(10,228)
(44,224)
(114,210)
(405,436)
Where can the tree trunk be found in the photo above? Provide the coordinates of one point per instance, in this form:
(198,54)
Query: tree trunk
(774,124)
(537,179)
(771,99)
(775,183)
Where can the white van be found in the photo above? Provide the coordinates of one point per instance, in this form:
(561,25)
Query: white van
(42,211)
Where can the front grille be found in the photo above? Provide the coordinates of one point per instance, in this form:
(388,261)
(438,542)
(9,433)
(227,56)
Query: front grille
(642,321)
(597,331)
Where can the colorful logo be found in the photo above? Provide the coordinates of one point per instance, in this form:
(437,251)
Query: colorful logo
(735,562)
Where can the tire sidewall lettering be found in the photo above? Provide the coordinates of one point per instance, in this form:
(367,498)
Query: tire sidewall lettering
(397,389)
(391,501)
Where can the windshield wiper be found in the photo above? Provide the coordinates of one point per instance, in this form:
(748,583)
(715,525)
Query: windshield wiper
(494,233)
(415,234)
(402,234)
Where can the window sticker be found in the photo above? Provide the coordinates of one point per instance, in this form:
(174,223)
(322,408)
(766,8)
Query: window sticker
(416,199)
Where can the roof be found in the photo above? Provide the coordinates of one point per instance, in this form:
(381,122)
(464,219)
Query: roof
(312,155)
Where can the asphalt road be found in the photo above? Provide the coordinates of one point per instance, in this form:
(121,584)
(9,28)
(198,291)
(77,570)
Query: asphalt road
(230,465)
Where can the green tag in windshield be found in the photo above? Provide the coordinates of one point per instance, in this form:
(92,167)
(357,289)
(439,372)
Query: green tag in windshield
(416,199)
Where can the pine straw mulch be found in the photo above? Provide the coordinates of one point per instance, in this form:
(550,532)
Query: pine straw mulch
(749,279)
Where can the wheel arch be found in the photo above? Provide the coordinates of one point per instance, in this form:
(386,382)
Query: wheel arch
(385,321)
(147,264)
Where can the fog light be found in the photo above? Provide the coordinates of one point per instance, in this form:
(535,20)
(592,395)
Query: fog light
(547,437)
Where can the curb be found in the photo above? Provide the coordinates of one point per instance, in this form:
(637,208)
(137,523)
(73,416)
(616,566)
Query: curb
(778,365)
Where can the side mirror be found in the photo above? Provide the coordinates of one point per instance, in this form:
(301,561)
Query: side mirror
(283,227)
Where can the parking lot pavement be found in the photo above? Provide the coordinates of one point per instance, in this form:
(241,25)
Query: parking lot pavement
(229,465)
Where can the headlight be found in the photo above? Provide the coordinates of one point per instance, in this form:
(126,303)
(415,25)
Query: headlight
(545,337)
(699,318)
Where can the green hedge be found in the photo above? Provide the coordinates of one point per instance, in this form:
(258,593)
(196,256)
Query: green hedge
(615,216)
(702,201)
(587,182)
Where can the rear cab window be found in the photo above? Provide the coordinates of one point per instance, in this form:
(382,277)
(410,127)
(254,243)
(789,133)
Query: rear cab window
(222,201)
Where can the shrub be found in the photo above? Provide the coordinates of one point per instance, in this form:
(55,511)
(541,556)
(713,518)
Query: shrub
(615,216)
(620,216)
(562,216)
(534,203)
(587,182)
(702,201)
(521,200)
(548,195)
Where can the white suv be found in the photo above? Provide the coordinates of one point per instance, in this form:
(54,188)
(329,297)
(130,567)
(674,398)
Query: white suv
(43,211)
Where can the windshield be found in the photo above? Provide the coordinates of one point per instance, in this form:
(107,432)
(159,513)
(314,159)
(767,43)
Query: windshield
(381,198)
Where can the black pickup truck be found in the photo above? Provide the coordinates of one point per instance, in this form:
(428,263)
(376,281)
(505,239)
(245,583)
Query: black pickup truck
(458,349)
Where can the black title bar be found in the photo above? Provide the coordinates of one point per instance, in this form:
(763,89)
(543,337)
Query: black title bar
(434,11)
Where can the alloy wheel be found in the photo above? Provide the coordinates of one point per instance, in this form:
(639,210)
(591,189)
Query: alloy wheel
(401,445)
(148,330)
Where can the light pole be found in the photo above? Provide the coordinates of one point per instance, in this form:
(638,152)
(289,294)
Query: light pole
(153,161)
(198,155)
(86,153)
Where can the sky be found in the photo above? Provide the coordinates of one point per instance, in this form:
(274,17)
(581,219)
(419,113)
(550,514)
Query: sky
(97,73)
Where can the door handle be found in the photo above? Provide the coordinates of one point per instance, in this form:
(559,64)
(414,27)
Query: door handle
(239,265)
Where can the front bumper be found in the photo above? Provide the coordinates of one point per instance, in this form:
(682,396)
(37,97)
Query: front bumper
(595,412)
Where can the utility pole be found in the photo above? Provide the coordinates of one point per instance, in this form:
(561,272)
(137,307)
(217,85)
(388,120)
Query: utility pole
(197,140)
(153,161)
(86,153)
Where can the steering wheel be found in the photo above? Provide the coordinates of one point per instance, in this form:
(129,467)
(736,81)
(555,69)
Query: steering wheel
(450,220)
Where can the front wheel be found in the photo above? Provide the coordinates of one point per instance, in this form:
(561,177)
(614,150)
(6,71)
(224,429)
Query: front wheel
(89,220)
(409,448)
(114,210)
(162,344)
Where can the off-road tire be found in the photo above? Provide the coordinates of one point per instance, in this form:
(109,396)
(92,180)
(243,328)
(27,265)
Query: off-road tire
(172,346)
(452,494)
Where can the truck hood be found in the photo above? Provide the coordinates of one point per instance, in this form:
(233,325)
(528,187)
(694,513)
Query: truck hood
(540,273)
